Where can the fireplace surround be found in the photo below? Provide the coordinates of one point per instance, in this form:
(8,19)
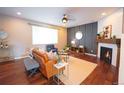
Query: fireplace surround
(110,43)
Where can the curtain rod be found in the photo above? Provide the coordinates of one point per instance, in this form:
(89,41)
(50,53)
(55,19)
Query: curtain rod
(35,24)
(44,25)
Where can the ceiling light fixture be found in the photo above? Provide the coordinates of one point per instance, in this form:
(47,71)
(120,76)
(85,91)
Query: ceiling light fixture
(18,13)
(64,19)
(103,14)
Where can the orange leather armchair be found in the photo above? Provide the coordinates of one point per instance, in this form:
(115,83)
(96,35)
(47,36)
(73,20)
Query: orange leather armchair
(46,65)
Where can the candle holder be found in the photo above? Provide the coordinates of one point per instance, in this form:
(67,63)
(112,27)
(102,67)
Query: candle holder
(2,45)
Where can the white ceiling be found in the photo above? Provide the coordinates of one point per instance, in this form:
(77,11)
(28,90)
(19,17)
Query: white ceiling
(53,15)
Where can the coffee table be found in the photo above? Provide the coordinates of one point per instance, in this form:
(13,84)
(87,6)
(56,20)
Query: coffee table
(66,54)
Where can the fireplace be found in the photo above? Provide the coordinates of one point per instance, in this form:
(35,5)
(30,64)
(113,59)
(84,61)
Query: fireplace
(114,44)
(106,54)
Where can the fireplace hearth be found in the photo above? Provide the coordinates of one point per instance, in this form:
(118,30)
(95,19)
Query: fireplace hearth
(106,54)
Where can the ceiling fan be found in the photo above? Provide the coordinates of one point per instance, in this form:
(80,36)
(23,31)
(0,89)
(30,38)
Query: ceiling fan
(65,18)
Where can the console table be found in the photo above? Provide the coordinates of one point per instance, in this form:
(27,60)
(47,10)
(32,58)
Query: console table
(6,54)
(78,49)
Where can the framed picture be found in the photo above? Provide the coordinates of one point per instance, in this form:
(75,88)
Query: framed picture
(107,32)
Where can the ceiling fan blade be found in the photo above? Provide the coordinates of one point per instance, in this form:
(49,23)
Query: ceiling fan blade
(72,19)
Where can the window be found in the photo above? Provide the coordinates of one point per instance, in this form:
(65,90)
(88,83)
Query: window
(42,35)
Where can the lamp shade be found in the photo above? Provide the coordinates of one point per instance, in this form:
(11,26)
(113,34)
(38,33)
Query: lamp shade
(72,42)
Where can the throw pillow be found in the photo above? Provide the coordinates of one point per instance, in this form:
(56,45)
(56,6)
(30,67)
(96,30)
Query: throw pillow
(51,55)
(41,51)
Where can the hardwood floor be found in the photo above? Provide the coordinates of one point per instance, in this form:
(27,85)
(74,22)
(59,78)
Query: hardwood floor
(13,73)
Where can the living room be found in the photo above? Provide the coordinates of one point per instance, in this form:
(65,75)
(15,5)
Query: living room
(89,43)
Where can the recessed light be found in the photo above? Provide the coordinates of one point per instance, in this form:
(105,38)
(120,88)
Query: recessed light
(18,13)
(103,14)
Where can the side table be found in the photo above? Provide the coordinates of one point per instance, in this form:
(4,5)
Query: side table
(59,66)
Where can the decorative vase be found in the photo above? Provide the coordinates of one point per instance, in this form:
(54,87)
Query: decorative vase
(114,37)
(58,59)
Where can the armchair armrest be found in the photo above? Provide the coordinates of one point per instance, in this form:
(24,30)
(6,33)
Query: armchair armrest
(50,69)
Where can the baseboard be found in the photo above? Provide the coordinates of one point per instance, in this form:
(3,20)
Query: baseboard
(11,58)
(120,83)
(20,57)
(91,54)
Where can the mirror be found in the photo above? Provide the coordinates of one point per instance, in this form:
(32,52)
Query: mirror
(3,35)
(78,35)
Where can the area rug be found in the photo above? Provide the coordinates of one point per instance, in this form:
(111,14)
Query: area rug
(78,69)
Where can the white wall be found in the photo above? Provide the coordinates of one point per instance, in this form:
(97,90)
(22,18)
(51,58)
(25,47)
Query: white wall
(115,20)
(121,69)
(20,34)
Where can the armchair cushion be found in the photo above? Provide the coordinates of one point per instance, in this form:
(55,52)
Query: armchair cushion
(45,56)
